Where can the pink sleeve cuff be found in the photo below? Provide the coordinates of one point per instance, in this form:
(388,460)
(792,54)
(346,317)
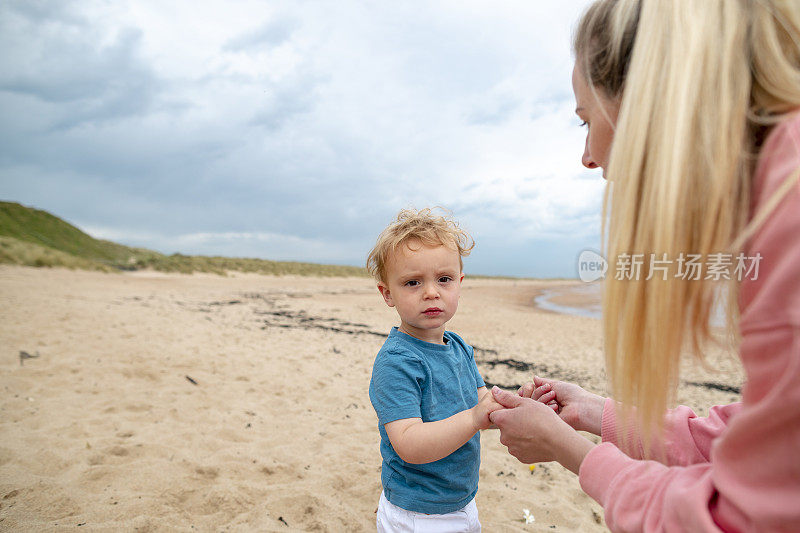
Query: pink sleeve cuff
(610,431)
(608,424)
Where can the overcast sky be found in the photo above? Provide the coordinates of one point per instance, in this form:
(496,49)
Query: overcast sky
(296,130)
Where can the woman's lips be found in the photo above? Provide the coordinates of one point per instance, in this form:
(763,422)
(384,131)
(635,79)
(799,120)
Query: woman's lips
(433,311)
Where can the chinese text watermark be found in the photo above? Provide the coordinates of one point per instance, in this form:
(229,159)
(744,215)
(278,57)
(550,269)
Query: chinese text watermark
(634,267)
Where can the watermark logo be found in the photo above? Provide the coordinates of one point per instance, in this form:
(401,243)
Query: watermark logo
(591,266)
(634,267)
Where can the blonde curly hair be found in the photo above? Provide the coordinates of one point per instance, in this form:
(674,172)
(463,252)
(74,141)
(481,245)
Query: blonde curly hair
(424,226)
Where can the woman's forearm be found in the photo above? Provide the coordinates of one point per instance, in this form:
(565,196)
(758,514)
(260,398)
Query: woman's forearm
(573,450)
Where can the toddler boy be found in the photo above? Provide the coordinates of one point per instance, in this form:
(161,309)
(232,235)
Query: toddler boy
(425,388)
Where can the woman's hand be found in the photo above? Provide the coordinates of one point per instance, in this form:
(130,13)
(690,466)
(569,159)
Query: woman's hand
(485,406)
(577,407)
(533,432)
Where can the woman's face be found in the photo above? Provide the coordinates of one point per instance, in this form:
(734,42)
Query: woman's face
(599,115)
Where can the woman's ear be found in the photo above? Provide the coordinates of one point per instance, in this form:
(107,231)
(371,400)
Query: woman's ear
(387,296)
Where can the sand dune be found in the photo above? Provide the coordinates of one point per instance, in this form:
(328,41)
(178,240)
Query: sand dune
(185,403)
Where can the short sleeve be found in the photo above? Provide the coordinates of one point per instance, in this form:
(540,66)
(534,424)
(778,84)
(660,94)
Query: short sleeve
(469,354)
(395,389)
(474,368)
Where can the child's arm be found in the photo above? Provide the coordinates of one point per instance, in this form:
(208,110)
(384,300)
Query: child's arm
(419,442)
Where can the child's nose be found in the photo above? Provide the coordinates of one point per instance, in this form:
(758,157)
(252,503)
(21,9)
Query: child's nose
(431,291)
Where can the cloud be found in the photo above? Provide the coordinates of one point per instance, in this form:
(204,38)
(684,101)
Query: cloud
(271,33)
(314,121)
(74,73)
(276,246)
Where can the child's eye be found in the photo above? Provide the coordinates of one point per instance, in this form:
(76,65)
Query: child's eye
(412,283)
(445,279)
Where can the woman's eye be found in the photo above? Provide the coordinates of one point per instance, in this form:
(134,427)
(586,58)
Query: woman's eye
(583,123)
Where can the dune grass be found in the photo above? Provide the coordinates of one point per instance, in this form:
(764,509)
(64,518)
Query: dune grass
(32,237)
(16,252)
(220,265)
(39,227)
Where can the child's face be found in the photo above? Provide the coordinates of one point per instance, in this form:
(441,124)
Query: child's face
(423,283)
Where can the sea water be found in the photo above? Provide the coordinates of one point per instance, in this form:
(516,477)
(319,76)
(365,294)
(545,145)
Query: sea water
(594,309)
(591,291)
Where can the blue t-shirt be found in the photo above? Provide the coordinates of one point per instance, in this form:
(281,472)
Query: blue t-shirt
(417,379)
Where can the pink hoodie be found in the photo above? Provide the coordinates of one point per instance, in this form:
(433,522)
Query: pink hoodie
(739,468)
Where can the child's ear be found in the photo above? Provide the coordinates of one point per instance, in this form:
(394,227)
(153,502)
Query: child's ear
(462,277)
(387,297)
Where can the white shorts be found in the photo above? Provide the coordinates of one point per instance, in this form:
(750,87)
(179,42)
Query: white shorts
(394,519)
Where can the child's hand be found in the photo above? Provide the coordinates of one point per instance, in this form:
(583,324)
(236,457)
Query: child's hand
(579,408)
(480,413)
(545,395)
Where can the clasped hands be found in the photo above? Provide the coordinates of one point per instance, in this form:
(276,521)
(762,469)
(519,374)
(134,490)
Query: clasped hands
(538,423)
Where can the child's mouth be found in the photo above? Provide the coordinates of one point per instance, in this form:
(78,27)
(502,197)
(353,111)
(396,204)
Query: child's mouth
(433,311)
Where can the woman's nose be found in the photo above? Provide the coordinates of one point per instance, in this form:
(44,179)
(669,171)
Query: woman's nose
(586,159)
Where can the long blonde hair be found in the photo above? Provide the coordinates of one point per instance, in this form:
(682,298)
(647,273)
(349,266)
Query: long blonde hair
(699,84)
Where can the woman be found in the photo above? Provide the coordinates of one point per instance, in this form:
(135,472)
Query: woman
(702,102)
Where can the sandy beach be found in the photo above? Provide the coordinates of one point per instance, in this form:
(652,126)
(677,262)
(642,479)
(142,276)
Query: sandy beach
(204,403)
